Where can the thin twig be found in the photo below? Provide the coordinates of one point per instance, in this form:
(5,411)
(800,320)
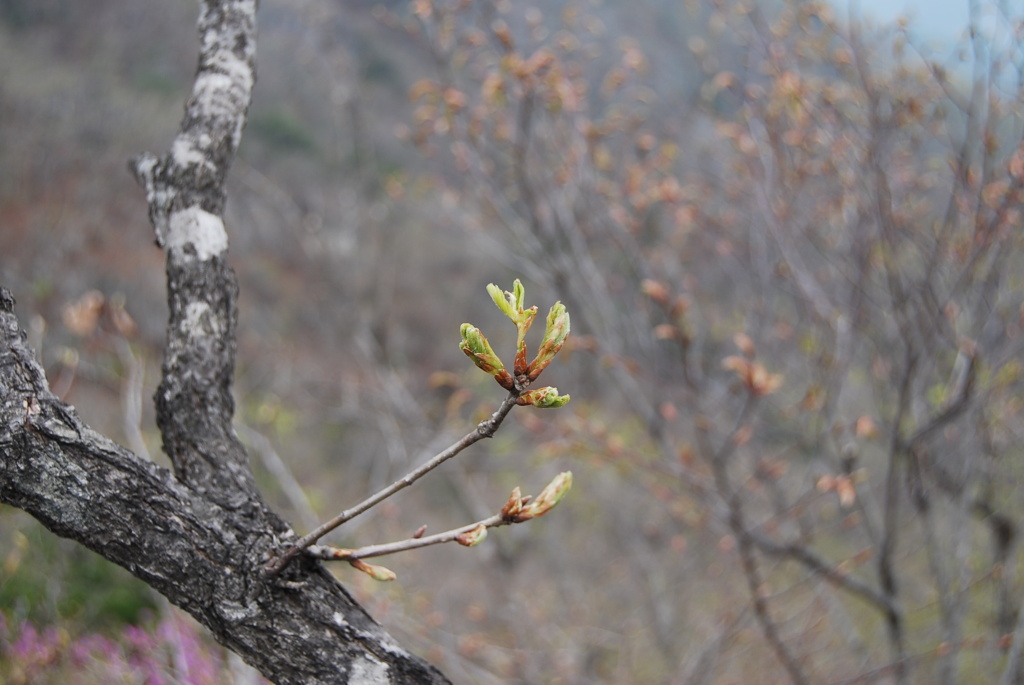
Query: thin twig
(1011,673)
(807,558)
(340,553)
(484,429)
(748,561)
(131,398)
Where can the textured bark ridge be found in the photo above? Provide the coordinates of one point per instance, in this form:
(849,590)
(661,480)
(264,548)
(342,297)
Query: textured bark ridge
(200,535)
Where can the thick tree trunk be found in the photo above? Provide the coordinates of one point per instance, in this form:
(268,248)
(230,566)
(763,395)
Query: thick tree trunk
(202,534)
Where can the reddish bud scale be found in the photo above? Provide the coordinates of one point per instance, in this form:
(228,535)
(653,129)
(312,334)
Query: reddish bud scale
(480,360)
(544,358)
(513,506)
(520,366)
(505,380)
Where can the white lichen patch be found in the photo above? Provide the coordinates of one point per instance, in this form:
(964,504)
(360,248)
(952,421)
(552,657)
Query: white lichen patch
(145,167)
(223,90)
(235,613)
(195,226)
(157,195)
(186,153)
(198,318)
(212,94)
(367,671)
(238,70)
(210,37)
(338,619)
(385,641)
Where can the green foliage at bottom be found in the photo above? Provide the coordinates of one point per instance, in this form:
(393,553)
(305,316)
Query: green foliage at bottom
(46,580)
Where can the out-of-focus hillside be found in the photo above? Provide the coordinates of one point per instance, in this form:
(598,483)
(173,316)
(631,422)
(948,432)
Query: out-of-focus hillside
(791,255)
(354,277)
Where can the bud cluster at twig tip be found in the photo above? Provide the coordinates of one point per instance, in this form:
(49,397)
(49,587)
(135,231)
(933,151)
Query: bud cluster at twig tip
(475,345)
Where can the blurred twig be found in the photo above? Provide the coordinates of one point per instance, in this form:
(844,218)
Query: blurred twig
(283,475)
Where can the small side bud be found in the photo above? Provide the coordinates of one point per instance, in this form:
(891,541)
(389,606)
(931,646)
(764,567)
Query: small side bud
(543,398)
(376,572)
(472,538)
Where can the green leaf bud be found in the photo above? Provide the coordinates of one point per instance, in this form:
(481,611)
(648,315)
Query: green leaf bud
(475,345)
(555,333)
(551,495)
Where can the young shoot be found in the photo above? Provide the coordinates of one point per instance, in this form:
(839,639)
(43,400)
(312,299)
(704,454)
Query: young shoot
(517,382)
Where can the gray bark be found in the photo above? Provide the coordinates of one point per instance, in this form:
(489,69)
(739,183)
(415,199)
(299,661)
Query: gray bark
(200,535)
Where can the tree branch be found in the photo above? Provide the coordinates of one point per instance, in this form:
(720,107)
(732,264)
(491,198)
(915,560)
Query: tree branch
(328,553)
(202,535)
(186,196)
(205,557)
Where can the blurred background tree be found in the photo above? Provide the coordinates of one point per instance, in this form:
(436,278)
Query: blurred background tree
(791,247)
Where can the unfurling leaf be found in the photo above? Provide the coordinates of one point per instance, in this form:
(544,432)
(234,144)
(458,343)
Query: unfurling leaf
(511,303)
(376,572)
(543,398)
(508,302)
(472,538)
(551,495)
